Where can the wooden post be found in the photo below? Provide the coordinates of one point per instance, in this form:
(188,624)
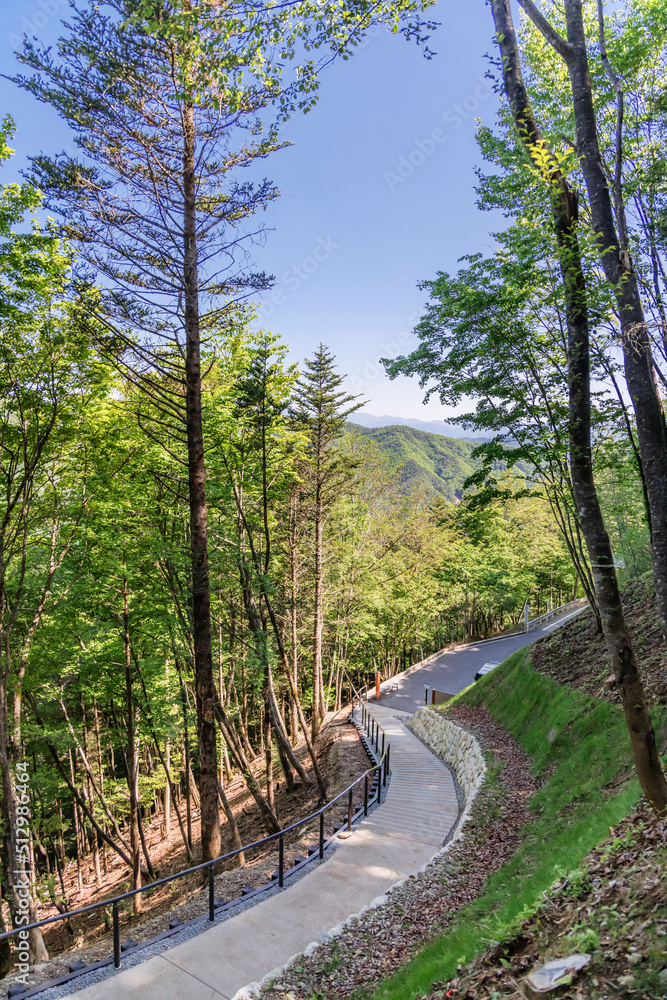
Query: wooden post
(377,685)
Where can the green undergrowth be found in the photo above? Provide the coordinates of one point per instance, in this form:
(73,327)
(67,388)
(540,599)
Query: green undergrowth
(581,758)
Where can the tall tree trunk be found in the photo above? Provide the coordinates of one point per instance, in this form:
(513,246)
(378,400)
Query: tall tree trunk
(257,629)
(5,946)
(318,707)
(268,760)
(227,729)
(186,752)
(201,592)
(172,798)
(91,779)
(564,207)
(609,225)
(294,722)
(225,767)
(165,759)
(144,845)
(166,805)
(231,819)
(132,756)
(76,824)
(15,856)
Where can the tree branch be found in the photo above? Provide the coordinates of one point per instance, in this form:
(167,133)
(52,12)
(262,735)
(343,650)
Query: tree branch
(557,42)
(614,79)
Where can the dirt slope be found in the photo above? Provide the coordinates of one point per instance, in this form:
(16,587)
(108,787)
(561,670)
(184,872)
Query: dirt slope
(614,909)
(574,654)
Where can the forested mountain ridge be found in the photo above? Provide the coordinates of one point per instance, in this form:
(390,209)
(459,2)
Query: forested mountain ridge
(438,463)
(441,427)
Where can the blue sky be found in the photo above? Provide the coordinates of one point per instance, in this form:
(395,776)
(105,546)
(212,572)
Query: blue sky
(376,192)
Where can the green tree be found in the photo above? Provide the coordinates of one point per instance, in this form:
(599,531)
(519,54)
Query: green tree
(153,210)
(320,409)
(571,377)
(607,203)
(50,382)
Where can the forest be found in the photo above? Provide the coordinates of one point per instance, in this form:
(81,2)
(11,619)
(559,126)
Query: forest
(200,554)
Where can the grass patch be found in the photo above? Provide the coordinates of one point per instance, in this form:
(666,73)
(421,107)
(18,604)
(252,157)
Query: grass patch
(581,755)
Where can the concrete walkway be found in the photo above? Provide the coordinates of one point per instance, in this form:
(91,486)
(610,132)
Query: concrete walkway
(396,840)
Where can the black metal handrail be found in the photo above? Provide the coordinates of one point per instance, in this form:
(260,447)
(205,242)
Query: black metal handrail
(382,766)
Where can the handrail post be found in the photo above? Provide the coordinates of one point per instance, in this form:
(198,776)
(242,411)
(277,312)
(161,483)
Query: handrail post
(380,786)
(116,936)
(321,835)
(211,893)
(366,794)
(281,860)
(382,743)
(349,811)
(387,762)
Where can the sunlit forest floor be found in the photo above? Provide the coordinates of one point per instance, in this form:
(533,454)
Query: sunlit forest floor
(614,910)
(89,938)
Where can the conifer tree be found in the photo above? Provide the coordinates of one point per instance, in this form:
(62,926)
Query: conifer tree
(153,211)
(321,408)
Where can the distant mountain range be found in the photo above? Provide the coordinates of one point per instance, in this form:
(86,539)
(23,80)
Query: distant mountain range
(441,464)
(429,426)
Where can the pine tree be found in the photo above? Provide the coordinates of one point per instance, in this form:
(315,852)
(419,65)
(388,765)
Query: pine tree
(153,211)
(321,409)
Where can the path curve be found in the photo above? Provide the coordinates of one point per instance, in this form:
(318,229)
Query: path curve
(393,842)
(454,669)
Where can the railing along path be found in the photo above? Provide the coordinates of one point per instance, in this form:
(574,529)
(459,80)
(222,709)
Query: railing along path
(381,770)
(554,613)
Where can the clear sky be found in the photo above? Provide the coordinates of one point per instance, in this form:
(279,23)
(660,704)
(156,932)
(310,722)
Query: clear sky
(377,192)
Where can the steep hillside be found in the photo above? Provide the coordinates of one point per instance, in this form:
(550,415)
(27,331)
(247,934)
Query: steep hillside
(576,656)
(439,463)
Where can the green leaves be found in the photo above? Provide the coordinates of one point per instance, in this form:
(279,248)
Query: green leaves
(229,56)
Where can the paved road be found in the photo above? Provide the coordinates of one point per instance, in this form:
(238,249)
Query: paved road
(454,670)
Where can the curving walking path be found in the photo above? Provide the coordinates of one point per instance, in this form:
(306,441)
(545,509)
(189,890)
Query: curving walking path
(393,842)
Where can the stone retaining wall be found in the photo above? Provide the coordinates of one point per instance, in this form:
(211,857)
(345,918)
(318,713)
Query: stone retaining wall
(462,752)
(455,746)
